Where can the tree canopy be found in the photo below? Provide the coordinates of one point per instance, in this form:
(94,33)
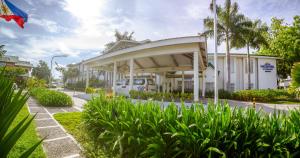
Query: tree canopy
(295,74)
(41,71)
(284,41)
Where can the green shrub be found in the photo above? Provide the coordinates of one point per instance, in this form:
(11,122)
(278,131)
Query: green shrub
(90,90)
(53,98)
(263,95)
(33,82)
(146,130)
(161,96)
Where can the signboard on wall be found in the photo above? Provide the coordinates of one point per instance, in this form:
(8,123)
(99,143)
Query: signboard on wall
(267,67)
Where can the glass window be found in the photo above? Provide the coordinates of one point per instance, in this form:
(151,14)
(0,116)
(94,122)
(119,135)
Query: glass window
(150,82)
(251,66)
(232,65)
(138,81)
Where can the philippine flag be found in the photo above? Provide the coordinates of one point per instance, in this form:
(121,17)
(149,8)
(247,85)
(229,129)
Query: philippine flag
(8,11)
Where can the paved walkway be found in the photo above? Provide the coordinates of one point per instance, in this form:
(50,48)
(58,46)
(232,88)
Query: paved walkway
(58,143)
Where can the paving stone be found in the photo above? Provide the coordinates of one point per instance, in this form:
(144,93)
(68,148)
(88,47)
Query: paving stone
(70,109)
(61,148)
(51,133)
(37,110)
(42,115)
(54,110)
(43,123)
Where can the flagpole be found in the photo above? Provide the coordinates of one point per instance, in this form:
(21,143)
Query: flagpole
(215,53)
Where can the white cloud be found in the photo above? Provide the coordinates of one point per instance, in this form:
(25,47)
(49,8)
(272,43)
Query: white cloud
(48,25)
(7,32)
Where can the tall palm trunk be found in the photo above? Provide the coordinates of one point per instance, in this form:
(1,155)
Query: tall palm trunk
(228,64)
(249,68)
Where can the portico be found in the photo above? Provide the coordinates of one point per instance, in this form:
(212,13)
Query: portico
(163,58)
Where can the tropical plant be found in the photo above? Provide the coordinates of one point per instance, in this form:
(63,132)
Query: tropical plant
(33,82)
(231,24)
(284,42)
(2,51)
(120,36)
(295,74)
(51,98)
(252,37)
(129,129)
(10,106)
(41,71)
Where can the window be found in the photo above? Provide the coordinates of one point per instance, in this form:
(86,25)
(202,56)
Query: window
(251,66)
(138,82)
(150,82)
(231,88)
(232,66)
(209,86)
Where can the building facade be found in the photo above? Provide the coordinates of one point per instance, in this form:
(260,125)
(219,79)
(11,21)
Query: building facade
(13,61)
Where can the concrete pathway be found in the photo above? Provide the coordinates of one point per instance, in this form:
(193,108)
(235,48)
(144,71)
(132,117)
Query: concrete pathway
(58,143)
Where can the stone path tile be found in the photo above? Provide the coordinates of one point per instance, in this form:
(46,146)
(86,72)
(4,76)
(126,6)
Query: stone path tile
(58,143)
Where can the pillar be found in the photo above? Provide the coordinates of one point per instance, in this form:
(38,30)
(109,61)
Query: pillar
(182,83)
(87,78)
(114,78)
(130,74)
(196,76)
(203,83)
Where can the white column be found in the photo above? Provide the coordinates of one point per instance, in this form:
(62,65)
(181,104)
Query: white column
(115,78)
(130,74)
(203,83)
(87,78)
(182,83)
(196,76)
(164,83)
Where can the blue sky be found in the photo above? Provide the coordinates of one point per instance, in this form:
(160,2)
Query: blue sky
(81,28)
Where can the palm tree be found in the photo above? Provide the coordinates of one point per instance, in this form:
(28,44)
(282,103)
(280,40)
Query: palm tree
(230,25)
(252,38)
(2,51)
(120,36)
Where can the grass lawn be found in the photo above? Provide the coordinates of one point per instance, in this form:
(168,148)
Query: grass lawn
(28,139)
(71,121)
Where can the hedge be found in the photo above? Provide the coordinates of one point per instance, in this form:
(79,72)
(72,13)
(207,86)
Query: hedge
(53,98)
(146,130)
(263,95)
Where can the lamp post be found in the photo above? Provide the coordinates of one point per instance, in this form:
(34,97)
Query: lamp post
(216,52)
(50,78)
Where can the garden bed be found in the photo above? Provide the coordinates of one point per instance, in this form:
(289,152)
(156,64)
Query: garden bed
(126,129)
(263,96)
(51,98)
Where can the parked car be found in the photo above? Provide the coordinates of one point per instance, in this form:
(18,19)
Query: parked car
(139,84)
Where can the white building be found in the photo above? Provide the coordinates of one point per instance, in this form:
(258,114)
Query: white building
(176,59)
(262,72)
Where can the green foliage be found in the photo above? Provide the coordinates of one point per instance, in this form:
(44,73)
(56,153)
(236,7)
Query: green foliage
(10,106)
(263,95)
(52,98)
(29,138)
(146,130)
(12,72)
(41,71)
(33,82)
(284,42)
(90,90)
(161,96)
(78,86)
(295,74)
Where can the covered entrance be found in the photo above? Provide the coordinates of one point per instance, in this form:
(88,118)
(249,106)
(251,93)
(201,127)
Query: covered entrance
(165,59)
